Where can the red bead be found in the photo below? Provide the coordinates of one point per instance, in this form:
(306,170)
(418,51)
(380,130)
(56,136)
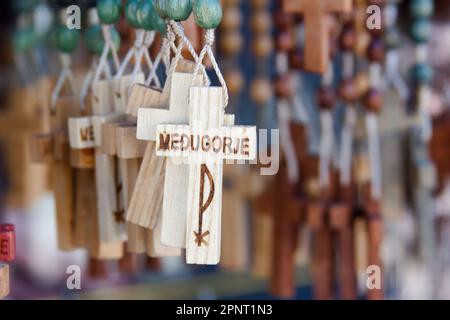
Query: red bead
(348,38)
(283,20)
(326,98)
(348,91)
(296,59)
(284,41)
(7,243)
(376,50)
(283,86)
(373,101)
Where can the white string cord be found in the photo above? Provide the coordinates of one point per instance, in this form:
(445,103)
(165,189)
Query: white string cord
(347,146)
(287,144)
(207,50)
(164,54)
(374,153)
(346,152)
(373,137)
(284,118)
(103,62)
(132,52)
(65,75)
(301,114)
(326,147)
(179,31)
(87,83)
(327,137)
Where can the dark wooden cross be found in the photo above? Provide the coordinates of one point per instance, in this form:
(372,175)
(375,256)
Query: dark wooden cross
(316,28)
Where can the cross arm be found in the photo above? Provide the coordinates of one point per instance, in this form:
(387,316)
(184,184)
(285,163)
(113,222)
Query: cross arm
(344,6)
(293,6)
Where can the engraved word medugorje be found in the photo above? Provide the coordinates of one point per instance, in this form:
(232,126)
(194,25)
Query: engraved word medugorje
(224,143)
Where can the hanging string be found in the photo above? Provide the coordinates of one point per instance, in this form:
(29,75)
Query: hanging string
(373,137)
(424,96)
(179,31)
(66,74)
(132,52)
(168,47)
(345,162)
(103,62)
(284,118)
(207,51)
(326,138)
(287,144)
(393,75)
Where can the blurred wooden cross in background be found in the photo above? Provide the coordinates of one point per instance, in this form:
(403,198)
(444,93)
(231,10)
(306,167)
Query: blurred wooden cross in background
(316,28)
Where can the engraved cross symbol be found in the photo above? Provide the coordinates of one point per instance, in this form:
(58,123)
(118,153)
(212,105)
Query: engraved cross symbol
(199,235)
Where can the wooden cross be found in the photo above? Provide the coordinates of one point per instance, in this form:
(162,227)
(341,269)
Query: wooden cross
(214,143)
(146,204)
(122,143)
(237,184)
(53,148)
(174,205)
(27,113)
(316,28)
(151,107)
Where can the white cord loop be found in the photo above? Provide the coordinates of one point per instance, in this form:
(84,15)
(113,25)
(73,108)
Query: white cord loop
(103,62)
(179,31)
(65,75)
(207,50)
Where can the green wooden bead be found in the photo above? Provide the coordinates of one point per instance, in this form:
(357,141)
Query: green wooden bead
(94,39)
(109,11)
(23,6)
(392,38)
(207,13)
(159,24)
(422,8)
(422,73)
(23,40)
(67,40)
(146,14)
(421,30)
(131,12)
(161,8)
(178,10)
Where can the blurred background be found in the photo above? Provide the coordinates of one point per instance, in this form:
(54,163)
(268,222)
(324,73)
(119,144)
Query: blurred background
(285,235)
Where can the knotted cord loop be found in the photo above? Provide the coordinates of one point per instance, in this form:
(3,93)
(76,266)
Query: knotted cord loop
(207,50)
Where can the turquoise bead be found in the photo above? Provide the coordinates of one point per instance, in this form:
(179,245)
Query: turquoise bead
(421,30)
(160,6)
(109,11)
(422,73)
(146,14)
(67,40)
(159,24)
(179,10)
(392,38)
(131,12)
(24,6)
(422,8)
(207,13)
(23,40)
(95,42)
